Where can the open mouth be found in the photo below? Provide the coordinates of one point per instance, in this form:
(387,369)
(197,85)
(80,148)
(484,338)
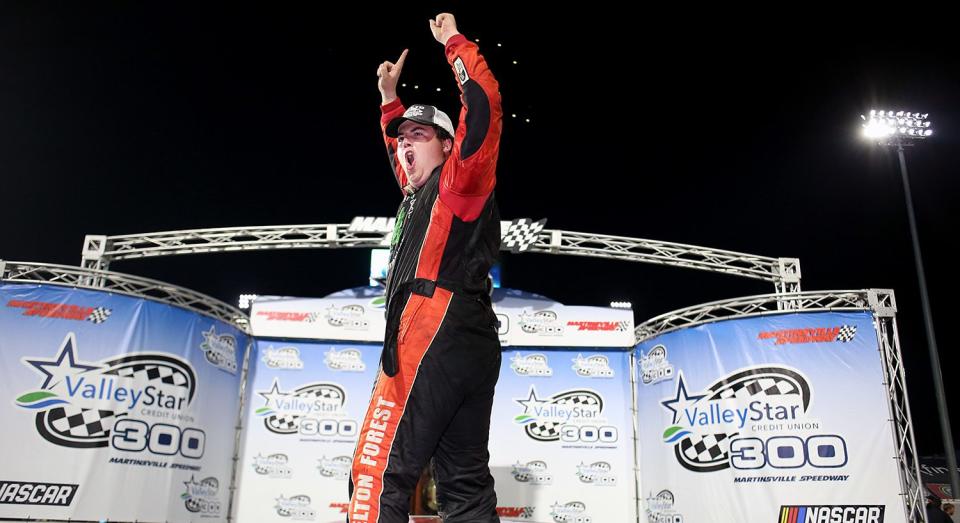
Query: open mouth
(408,157)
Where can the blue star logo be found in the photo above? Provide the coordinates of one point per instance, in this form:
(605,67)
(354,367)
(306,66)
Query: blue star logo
(63,365)
(532,403)
(191,485)
(272,398)
(682,400)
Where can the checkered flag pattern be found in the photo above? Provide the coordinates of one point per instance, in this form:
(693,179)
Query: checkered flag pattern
(283,422)
(153,372)
(324,393)
(550,430)
(704,449)
(99,315)
(760,385)
(521,476)
(77,422)
(847,333)
(286,423)
(522,233)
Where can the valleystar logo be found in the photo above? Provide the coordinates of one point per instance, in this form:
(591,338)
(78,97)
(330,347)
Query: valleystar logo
(703,423)
(78,402)
(535,365)
(202,497)
(220,350)
(544,419)
(285,412)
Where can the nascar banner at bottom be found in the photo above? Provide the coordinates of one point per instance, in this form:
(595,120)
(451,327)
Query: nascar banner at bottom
(782,419)
(115,407)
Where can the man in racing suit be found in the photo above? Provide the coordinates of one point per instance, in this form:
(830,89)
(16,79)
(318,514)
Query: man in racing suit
(441,354)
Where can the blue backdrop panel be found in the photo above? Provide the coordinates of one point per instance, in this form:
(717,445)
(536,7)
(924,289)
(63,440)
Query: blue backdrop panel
(116,407)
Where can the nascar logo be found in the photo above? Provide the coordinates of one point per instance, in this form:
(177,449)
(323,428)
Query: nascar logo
(831,514)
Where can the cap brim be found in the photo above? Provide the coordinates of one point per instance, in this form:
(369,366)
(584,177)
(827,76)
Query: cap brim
(393,128)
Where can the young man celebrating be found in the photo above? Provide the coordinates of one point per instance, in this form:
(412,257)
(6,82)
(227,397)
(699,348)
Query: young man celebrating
(441,354)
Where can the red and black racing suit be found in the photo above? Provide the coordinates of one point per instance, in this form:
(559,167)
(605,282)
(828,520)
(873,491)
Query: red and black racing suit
(441,356)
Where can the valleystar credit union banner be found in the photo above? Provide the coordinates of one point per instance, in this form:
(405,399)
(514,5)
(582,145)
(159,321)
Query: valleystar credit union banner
(774,419)
(114,407)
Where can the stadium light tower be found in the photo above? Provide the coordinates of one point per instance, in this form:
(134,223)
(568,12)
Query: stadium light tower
(901,129)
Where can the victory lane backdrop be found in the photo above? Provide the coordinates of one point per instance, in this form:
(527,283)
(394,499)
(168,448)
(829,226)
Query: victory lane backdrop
(305,402)
(779,418)
(115,407)
(561,435)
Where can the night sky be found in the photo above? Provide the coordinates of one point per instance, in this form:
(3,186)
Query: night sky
(729,131)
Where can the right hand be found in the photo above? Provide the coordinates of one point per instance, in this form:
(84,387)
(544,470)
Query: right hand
(388,74)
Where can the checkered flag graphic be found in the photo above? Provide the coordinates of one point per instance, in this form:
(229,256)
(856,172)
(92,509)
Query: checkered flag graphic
(705,449)
(289,423)
(99,315)
(763,385)
(710,451)
(847,333)
(78,422)
(521,476)
(325,393)
(153,372)
(283,423)
(522,233)
(550,430)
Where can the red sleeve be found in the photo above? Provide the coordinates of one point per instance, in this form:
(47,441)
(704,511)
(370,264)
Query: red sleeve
(469,175)
(387,113)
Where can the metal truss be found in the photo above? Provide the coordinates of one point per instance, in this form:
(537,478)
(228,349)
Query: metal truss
(882,303)
(99,251)
(911,486)
(752,306)
(136,286)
